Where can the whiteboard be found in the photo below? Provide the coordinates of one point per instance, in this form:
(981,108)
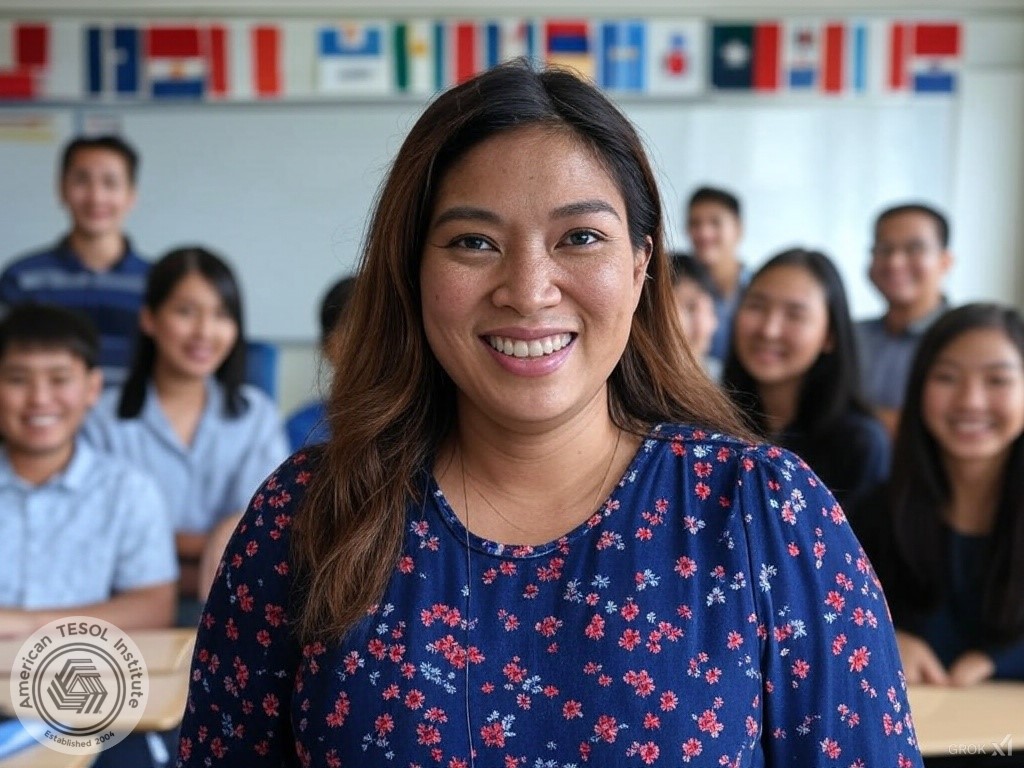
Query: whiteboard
(283,190)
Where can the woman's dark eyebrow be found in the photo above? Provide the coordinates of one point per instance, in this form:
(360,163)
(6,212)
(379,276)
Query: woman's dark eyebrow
(464,212)
(584,206)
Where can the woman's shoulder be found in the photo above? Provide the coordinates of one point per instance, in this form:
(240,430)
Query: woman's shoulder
(712,450)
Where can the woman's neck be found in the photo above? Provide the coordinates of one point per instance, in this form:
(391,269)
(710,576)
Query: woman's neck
(779,403)
(97,253)
(522,487)
(974,491)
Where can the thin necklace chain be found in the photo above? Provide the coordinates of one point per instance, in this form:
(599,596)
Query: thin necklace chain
(591,508)
(469,568)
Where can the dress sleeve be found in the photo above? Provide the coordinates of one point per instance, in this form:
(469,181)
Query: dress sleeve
(238,711)
(833,687)
(267,449)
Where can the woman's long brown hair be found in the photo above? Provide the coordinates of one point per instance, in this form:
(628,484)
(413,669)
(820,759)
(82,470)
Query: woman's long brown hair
(391,404)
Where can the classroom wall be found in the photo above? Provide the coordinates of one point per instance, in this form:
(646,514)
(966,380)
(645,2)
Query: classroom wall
(985,168)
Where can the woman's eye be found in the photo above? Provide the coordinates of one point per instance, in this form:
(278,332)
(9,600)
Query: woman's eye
(582,237)
(473,243)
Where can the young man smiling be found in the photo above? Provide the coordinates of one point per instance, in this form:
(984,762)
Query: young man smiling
(93,268)
(909,259)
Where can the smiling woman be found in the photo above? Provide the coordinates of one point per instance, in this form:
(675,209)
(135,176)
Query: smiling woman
(539,535)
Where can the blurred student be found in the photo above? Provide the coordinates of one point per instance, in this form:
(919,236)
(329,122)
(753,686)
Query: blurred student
(909,259)
(93,268)
(308,424)
(946,533)
(84,533)
(715,228)
(793,368)
(695,299)
(185,413)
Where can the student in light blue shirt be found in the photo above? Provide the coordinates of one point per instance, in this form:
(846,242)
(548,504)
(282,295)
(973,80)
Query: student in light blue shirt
(83,533)
(307,425)
(185,414)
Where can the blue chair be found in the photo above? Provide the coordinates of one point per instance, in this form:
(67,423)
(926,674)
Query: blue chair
(261,366)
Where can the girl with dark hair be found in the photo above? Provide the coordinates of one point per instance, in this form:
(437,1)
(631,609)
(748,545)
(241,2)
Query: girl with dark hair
(185,414)
(530,537)
(947,531)
(792,368)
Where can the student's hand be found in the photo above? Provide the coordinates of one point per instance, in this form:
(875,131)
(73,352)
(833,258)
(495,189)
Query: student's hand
(971,667)
(920,664)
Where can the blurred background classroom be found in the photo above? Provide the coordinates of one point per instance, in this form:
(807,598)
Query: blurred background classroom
(264,128)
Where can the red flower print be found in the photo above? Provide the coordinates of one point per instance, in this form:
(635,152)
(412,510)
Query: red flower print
(668,701)
(606,728)
(652,722)
(384,724)
(703,469)
(831,748)
(572,709)
(708,722)
(629,611)
(859,659)
(630,639)
(734,641)
(691,749)
(270,705)
(427,735)
(548,626)
(595,628)
(703,490)
(341,708)
(835,601)
(414,699)
(493,734)
(647,752)
(800,668)
(685,567)
(838,644)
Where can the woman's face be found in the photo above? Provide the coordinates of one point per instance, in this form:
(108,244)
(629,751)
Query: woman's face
(973,399)
(696,314)
(781,325)
(193,330)
(528,279)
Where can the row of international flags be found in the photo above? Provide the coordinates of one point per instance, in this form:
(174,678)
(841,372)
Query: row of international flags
(62,59)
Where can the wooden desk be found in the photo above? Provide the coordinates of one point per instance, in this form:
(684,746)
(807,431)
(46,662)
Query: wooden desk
(165,650)
(44,757)
(962,721)
(164,707)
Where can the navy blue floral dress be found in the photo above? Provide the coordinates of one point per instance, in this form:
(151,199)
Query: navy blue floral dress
(716,610)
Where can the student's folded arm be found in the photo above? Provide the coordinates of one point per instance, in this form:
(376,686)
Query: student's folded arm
(145,608)
(834,691)
(238,711)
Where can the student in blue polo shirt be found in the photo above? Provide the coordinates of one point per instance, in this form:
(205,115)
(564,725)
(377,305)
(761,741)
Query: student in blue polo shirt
(185,414)
(83,533)
(94,267)
(308,424)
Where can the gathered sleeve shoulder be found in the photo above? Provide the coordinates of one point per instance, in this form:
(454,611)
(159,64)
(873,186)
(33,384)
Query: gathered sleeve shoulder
(246,656)
(833,687)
